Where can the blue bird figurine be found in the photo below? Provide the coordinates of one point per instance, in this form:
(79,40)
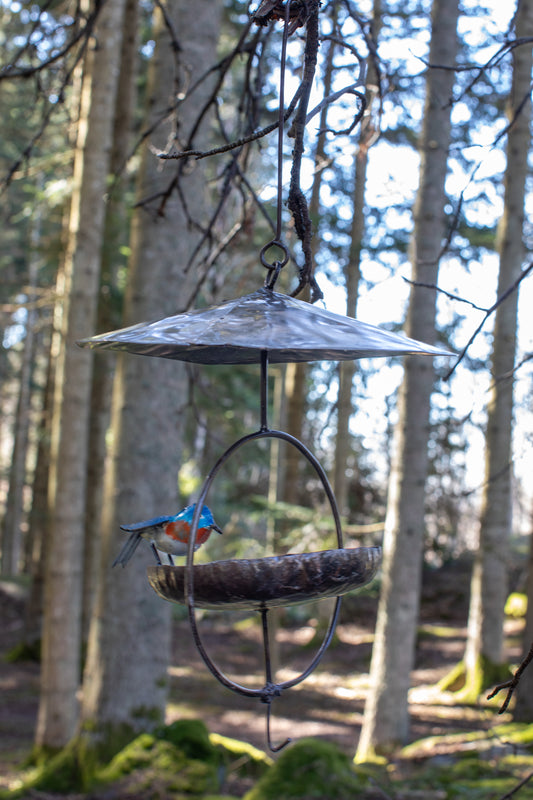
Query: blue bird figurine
(169,534)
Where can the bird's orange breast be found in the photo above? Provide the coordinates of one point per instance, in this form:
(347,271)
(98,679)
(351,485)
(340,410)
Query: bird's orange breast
(180,530)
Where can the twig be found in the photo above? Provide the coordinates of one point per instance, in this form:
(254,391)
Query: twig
(517,788)
(8,72)
(445,293)
(225,148)
(490,311)
(511,684)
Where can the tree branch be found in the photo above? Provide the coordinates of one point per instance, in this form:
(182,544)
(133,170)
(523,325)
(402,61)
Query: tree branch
(490,311)
(512,683)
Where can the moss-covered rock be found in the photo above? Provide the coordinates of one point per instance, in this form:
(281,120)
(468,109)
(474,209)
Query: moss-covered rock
(178,759)
(308,769)
(241,758)
(191,737)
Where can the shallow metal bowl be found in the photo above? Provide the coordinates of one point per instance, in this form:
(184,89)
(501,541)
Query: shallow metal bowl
(267,582)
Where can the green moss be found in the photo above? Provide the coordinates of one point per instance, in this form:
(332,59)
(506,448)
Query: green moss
(240,757)
(469,778)
(469,684)
(439,631)
(309,769)
(151,714)
(150,760)
(98,743)
(25,651)
(61,773)
(180,758)
(517,733)
(512,733)
(192,738)
(481,677)
(453,680)
(516,605)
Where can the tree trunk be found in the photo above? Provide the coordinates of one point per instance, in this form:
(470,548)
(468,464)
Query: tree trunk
(484,654)
(58,710)
(109,312)
(125,680)
(11,525)
(352,275)
(523,710)
(386,718)
(38,524)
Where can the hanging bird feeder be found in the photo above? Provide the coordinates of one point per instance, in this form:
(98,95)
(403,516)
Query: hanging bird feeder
(261,328)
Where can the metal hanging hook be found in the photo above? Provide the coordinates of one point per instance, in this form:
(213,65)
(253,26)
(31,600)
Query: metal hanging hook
(271,689)
(274,748)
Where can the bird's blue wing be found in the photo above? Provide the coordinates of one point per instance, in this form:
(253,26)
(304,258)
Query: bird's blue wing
(149,523)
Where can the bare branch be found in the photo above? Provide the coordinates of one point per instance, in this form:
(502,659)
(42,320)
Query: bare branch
(440,290)
(511,684)
(225,148)
(490,311)
(8,72)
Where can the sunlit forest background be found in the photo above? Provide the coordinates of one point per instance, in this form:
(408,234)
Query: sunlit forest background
(139,179)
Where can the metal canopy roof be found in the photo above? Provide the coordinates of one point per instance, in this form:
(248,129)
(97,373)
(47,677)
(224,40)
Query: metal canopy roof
(237,331)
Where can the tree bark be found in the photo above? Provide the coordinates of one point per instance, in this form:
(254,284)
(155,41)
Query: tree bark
(352,275)
(109,313)
(11,524)
(523,710)
(386,717)
(58,709)
(484,650)
(38,523)
(125,680)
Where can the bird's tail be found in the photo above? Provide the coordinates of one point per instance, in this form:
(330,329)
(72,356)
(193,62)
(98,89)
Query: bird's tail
(128,549)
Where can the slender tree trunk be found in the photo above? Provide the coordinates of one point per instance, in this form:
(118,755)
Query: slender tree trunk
(352,275)
(38,524)
(109,308)
(386,718)
(523,710)
(12,532)
(60,674)
(484,650)
(125,681)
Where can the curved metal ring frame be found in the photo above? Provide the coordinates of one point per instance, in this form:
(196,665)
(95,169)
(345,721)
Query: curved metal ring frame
(270,689)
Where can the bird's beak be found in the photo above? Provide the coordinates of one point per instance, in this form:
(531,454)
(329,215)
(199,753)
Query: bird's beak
(217,529)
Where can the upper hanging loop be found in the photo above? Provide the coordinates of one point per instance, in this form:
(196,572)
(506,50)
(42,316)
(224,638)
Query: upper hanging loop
(275,266)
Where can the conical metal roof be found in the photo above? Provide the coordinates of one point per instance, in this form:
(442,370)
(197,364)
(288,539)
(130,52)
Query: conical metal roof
(236,331)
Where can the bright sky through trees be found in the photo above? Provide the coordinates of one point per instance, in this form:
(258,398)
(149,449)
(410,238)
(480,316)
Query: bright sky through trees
(476,175)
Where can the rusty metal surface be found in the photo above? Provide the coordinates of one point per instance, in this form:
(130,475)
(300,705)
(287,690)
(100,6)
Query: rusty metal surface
(269,582)
(237,331)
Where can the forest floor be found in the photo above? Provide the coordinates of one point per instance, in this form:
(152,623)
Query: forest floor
(328,704)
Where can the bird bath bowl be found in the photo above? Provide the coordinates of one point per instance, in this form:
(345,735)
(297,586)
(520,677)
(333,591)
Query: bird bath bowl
(269,582)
